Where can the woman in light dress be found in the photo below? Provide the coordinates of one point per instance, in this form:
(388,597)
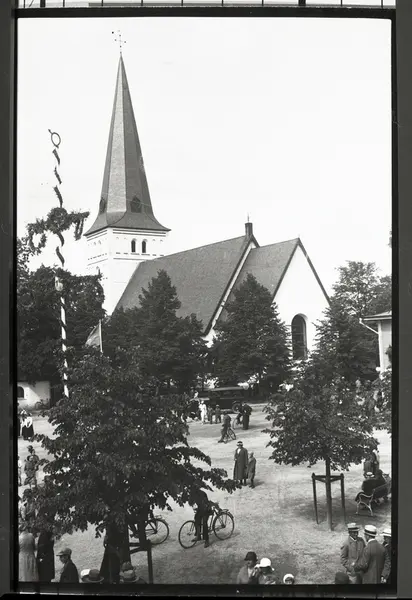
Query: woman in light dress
(27,559)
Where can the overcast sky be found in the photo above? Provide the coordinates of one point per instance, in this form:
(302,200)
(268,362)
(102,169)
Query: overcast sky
(288,120)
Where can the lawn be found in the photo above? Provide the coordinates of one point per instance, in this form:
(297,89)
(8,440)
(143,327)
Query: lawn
(276,519)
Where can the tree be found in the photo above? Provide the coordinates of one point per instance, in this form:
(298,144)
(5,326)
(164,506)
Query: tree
(118,449)
(169,348)
(356,287)
(38,318)
(319,421)
(251,341)
(383,296)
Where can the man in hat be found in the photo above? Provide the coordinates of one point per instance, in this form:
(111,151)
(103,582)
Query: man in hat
(69,572)
(387,544)
(241,461)
(91,576)
(351,550)
(128,574)
(266,573)
(372,559)
(202,514)
(248,573)
(246,412)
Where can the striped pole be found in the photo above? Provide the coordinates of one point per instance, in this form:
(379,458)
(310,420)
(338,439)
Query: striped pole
(56,140)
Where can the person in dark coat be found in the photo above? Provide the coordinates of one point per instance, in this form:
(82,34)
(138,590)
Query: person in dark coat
(372,559)
(202,514)
(351,550)
(218,416)
(114,555)
(246,412)
(251,469)
(387,544)
(241,462)
(248,573)
(69,572)
(225,428)
(45,556)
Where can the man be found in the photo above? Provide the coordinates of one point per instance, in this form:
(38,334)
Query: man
(251,469)
(69,572)
(31,467)
(248,573)
(372,560)
(202,514)
(387,544)
(266,573)
(225,427)
(241,461)
(218,417)
(369,484)
(351,550)
(246,411)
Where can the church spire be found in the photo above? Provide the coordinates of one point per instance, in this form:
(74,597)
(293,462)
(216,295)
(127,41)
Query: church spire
(125,199)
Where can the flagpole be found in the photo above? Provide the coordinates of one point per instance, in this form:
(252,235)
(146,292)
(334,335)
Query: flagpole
(100,336)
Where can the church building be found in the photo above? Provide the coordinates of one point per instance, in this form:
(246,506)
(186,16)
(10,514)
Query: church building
(128,245)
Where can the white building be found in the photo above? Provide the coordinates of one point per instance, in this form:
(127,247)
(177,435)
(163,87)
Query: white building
(126,244)
(383,321)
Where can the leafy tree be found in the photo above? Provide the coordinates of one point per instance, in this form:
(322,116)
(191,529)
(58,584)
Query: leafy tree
(383,296)
(38,318)
(379,400)
(251,341)
(356,287)
(118,450)
(170,348)
(319,421)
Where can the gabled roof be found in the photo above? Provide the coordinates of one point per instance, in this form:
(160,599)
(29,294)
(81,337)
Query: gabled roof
(201,277)
(125,199)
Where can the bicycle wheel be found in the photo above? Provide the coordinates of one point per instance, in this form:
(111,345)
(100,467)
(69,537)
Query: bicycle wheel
(231,434)
(223,525)
(157,531)
(187,535)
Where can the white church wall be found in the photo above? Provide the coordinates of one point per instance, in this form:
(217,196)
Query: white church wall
(32,393)
(300,294)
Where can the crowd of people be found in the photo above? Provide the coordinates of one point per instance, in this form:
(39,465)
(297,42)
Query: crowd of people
(261,572)
(365,560)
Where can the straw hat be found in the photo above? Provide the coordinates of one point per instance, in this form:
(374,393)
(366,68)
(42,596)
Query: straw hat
(371,530)
(93,576)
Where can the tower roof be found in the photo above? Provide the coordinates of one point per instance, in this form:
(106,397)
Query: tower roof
(125,198)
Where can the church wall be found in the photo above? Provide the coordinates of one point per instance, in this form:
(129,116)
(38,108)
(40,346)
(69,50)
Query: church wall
(300,294)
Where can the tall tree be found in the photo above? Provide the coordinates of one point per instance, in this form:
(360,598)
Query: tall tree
(251,341)
(317,421)
(118,449)
(361,290)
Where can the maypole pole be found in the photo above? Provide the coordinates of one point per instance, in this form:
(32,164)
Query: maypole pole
(56,141)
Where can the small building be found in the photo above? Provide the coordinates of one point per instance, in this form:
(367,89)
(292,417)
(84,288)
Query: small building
(29,394)
(383,321)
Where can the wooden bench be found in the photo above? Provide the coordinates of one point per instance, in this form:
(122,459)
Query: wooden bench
(382,491)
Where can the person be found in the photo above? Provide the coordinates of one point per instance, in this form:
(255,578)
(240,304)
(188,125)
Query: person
(369,484)
(69,573)
(375,461)
(91,576)
(239,416)
(28,510)
(29,427)
(246,412)
(113,546)
(225,427)
(372,559)
(266,573)
(245,574)
(218,416)
(341,578)
(351,550)
(45,555)
(19,470)
(202,514)
(251,469)
(241,461)
(209,414)
(203,411)
(128,574)
(289,579)
(31,467)
(380,479)
(23,418)
(387,544)
(27,560)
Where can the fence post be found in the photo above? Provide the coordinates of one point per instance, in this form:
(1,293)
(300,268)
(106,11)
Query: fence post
(149,561)
(342,492)
(314,497)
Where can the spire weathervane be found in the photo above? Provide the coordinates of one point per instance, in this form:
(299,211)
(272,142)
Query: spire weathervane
(118,38)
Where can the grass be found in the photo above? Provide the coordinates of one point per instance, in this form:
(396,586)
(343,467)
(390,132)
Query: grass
(276,519)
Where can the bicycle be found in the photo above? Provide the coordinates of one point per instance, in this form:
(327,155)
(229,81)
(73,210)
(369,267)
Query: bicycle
(230,435)
(221,522)
(156,529)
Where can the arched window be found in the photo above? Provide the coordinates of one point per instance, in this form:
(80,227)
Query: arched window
(20,392)
(144,247)
(133,246)
(136,205)
(299,347)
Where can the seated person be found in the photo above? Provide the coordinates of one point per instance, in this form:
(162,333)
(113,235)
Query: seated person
(380,479)
(369,484)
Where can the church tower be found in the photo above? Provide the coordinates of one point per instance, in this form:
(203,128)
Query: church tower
(126,231)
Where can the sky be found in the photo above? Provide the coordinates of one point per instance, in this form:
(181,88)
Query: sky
(285,120)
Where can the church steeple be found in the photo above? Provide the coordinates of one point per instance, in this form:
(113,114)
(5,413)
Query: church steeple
(125,199)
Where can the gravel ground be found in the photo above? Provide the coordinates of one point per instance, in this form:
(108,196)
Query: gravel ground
(276,519)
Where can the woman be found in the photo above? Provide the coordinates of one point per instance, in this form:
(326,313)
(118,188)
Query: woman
(23,417)
(45,555)
(29,427)
(27,560)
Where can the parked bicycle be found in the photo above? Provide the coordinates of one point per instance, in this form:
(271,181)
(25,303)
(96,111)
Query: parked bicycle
(221,522)
(156,529)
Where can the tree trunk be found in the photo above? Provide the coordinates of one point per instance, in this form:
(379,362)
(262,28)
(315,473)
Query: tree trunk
(328,494)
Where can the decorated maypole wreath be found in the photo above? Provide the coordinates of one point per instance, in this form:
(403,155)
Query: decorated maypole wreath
(58,221)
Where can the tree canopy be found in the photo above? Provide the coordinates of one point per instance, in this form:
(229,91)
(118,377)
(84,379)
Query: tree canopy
(251,341)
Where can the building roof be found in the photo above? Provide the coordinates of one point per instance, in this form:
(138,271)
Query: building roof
(201,277)
(125,199)
(384,316)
